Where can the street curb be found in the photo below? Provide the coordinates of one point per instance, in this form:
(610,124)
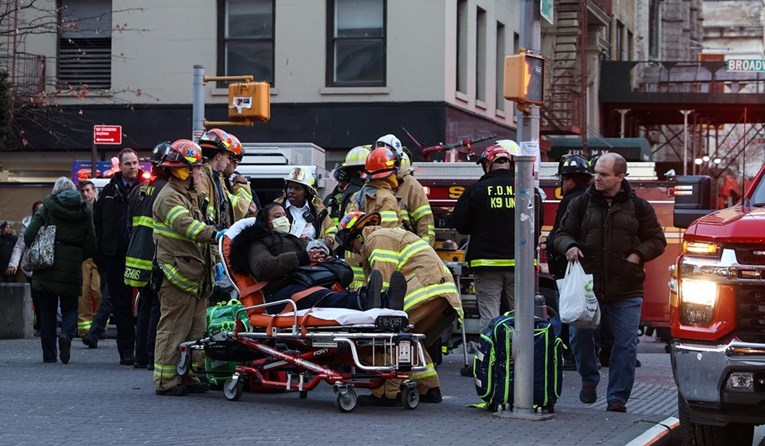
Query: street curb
(665,432)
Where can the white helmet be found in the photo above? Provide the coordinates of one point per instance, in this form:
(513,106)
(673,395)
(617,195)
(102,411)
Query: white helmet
(303,176)
(511,146)
(391,142)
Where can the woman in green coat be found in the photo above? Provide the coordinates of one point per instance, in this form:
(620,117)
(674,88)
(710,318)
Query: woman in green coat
(62,282)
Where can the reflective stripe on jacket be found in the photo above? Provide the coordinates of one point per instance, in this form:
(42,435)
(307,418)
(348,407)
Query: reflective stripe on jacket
(140,252)
(240,196)
(184,251)
(427,277)
(377,196)
(414,208)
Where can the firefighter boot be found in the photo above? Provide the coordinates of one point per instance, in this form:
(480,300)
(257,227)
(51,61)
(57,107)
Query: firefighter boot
(396,291)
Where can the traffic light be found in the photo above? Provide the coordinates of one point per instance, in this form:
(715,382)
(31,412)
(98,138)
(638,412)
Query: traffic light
(249,100)
(525,78)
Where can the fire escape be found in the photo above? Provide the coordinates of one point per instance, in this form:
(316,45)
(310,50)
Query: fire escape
(565,109)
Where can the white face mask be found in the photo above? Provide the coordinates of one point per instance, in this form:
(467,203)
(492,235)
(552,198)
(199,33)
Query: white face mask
(281,224)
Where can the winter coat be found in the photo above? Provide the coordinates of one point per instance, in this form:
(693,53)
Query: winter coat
(75,242)
(427,278)
(7,242)
(111,219)
(556,261)
(607,235)
(184,241)
(267,255)
(140,253)
(414,208)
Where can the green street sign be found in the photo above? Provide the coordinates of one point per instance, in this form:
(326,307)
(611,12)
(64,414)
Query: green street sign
(546,10)
(745,65)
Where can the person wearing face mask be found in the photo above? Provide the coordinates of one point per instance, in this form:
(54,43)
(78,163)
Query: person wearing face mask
(183,274)
(268,252)
(306,214)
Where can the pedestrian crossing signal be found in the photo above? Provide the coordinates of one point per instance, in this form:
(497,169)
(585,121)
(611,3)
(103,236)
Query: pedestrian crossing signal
(524,78)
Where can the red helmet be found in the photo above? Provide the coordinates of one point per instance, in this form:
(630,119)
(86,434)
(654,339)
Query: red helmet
(381,163)
(235,147)
(215,140)
(183,153)
(352,224)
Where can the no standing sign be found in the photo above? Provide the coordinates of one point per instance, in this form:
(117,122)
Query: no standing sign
(107,134)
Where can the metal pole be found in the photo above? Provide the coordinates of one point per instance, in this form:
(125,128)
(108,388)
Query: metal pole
(198,105)
(622,112)
(685,140)
(525,213)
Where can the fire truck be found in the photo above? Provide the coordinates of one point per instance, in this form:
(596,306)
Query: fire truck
(446,181)
(717,314)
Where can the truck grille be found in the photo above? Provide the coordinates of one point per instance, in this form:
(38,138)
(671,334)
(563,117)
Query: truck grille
(750,254)
(751,313)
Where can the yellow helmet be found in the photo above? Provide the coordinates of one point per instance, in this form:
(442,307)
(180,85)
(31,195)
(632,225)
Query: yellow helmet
(357,156)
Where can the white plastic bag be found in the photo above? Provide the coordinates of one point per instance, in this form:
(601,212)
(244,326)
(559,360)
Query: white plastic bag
(578,304)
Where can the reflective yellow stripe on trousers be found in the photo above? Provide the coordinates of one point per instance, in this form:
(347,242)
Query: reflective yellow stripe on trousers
(163,371)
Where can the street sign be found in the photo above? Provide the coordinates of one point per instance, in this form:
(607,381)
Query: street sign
(546,10)
(745,65)
(107,134)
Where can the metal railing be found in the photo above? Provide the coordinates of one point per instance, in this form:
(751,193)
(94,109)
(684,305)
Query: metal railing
(26,72)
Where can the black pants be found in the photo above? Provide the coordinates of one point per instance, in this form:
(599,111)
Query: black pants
(49,304)
(321,298)
(118,300)
(146,325)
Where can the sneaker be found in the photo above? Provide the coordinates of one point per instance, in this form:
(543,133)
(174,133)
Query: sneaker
(616,406)
(588,394)
(64,348)
(370,297)
(179,390)
(433,396)
(373,401)
(198,387)
(396,291)
(91,340)
(467,371)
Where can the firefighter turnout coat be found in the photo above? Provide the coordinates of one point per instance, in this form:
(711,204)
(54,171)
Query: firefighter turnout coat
(240,196)
(414,208)
(377,196)
(216,206)
(140,252)
(184,250)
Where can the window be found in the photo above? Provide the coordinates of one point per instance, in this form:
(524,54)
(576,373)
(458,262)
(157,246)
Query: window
(480,63)
(356,50)
(462,49)
(500,68)
(85,44)
(247,39)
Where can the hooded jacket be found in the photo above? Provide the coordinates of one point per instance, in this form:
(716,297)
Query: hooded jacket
(607,233)
(75,242)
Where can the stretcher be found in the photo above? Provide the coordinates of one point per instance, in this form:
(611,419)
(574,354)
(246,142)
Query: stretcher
(296,350)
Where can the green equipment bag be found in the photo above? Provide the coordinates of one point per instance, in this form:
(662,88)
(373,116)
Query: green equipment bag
(222,357)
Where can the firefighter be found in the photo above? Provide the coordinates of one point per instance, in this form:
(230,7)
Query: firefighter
(216,147)
(140,254)
(486,212)
(575,177)
(413,202)
(90,298)
(237,187)
(377,194)
(306,213)
(184,258)
(431,300)
(349,181)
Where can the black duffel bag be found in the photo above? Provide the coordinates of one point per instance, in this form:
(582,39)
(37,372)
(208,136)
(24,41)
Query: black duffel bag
(325,274)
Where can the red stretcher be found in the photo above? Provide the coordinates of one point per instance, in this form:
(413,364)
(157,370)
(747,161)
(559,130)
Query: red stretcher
(296,350)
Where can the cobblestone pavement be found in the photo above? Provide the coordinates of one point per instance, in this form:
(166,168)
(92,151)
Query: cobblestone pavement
(93,400)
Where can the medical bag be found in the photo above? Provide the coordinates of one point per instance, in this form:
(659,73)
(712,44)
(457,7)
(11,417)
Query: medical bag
(222,357)
(493,365)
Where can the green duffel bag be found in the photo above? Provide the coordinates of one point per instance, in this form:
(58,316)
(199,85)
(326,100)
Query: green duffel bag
(219,364)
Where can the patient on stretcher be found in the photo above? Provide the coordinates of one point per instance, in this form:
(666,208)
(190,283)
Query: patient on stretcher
(299,269)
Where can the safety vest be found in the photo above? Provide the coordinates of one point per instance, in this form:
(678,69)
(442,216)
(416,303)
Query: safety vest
(140,254)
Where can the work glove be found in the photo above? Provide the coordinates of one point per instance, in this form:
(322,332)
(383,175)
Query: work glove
(219,271)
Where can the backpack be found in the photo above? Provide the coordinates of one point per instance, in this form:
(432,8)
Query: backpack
(221,357)
(493,365)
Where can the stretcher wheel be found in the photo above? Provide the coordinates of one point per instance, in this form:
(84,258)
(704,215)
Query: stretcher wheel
(410,398)
(345,400)
(184,362)
(233,389)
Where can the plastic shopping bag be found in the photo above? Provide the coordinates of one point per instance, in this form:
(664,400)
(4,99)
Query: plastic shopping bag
(578,304)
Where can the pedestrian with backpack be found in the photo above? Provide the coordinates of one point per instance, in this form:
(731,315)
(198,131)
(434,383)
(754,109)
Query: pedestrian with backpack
(613,233)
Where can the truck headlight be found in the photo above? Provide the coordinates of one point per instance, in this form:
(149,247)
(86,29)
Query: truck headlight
(697,301)
(701,248)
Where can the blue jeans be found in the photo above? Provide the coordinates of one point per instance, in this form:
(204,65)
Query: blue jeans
(49,304)
(623,316)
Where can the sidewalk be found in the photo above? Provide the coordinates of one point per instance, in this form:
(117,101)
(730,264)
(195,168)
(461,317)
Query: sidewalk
(93,400)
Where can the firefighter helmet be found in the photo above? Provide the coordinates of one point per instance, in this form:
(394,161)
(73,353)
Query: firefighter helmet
(573,165)
(352,223)
(235,147)
(357,156)
(406,163)
(593,160)
(390,141)
(381,163)
(303,176)
(159,152)
(214,141)
(182,153)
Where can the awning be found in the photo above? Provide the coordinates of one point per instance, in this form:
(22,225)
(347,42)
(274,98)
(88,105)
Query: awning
(632,149)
